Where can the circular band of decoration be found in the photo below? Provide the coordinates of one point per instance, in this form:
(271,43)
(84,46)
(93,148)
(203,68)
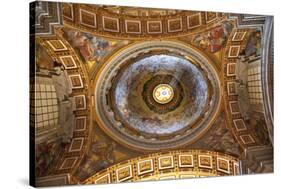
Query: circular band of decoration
(156,95)
(175,165)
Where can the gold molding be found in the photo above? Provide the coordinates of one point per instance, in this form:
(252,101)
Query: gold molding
(171,169)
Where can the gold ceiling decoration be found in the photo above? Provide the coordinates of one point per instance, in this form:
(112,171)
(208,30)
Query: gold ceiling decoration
(245,134)
(93,47)
(171,165)
(63,54)
(163,93)
(106,21)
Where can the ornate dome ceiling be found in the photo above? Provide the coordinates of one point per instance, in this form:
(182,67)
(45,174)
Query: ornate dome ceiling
(155,95)
(149,93)
(159,75)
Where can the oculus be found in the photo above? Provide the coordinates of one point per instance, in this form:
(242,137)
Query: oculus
(160,105)
(163,93)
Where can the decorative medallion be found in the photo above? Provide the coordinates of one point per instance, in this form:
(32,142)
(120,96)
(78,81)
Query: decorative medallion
(163,93)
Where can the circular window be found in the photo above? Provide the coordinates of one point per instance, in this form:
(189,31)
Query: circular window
(163,93)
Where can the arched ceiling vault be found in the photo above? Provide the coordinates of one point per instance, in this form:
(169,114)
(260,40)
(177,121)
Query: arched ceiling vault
(172,165)
(60,51)
(100,21)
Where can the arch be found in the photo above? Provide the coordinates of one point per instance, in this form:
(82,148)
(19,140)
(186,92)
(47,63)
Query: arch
(170,165)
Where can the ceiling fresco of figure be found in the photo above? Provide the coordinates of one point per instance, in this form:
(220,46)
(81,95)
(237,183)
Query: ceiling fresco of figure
(124,94)
(213,40)
(92,49)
